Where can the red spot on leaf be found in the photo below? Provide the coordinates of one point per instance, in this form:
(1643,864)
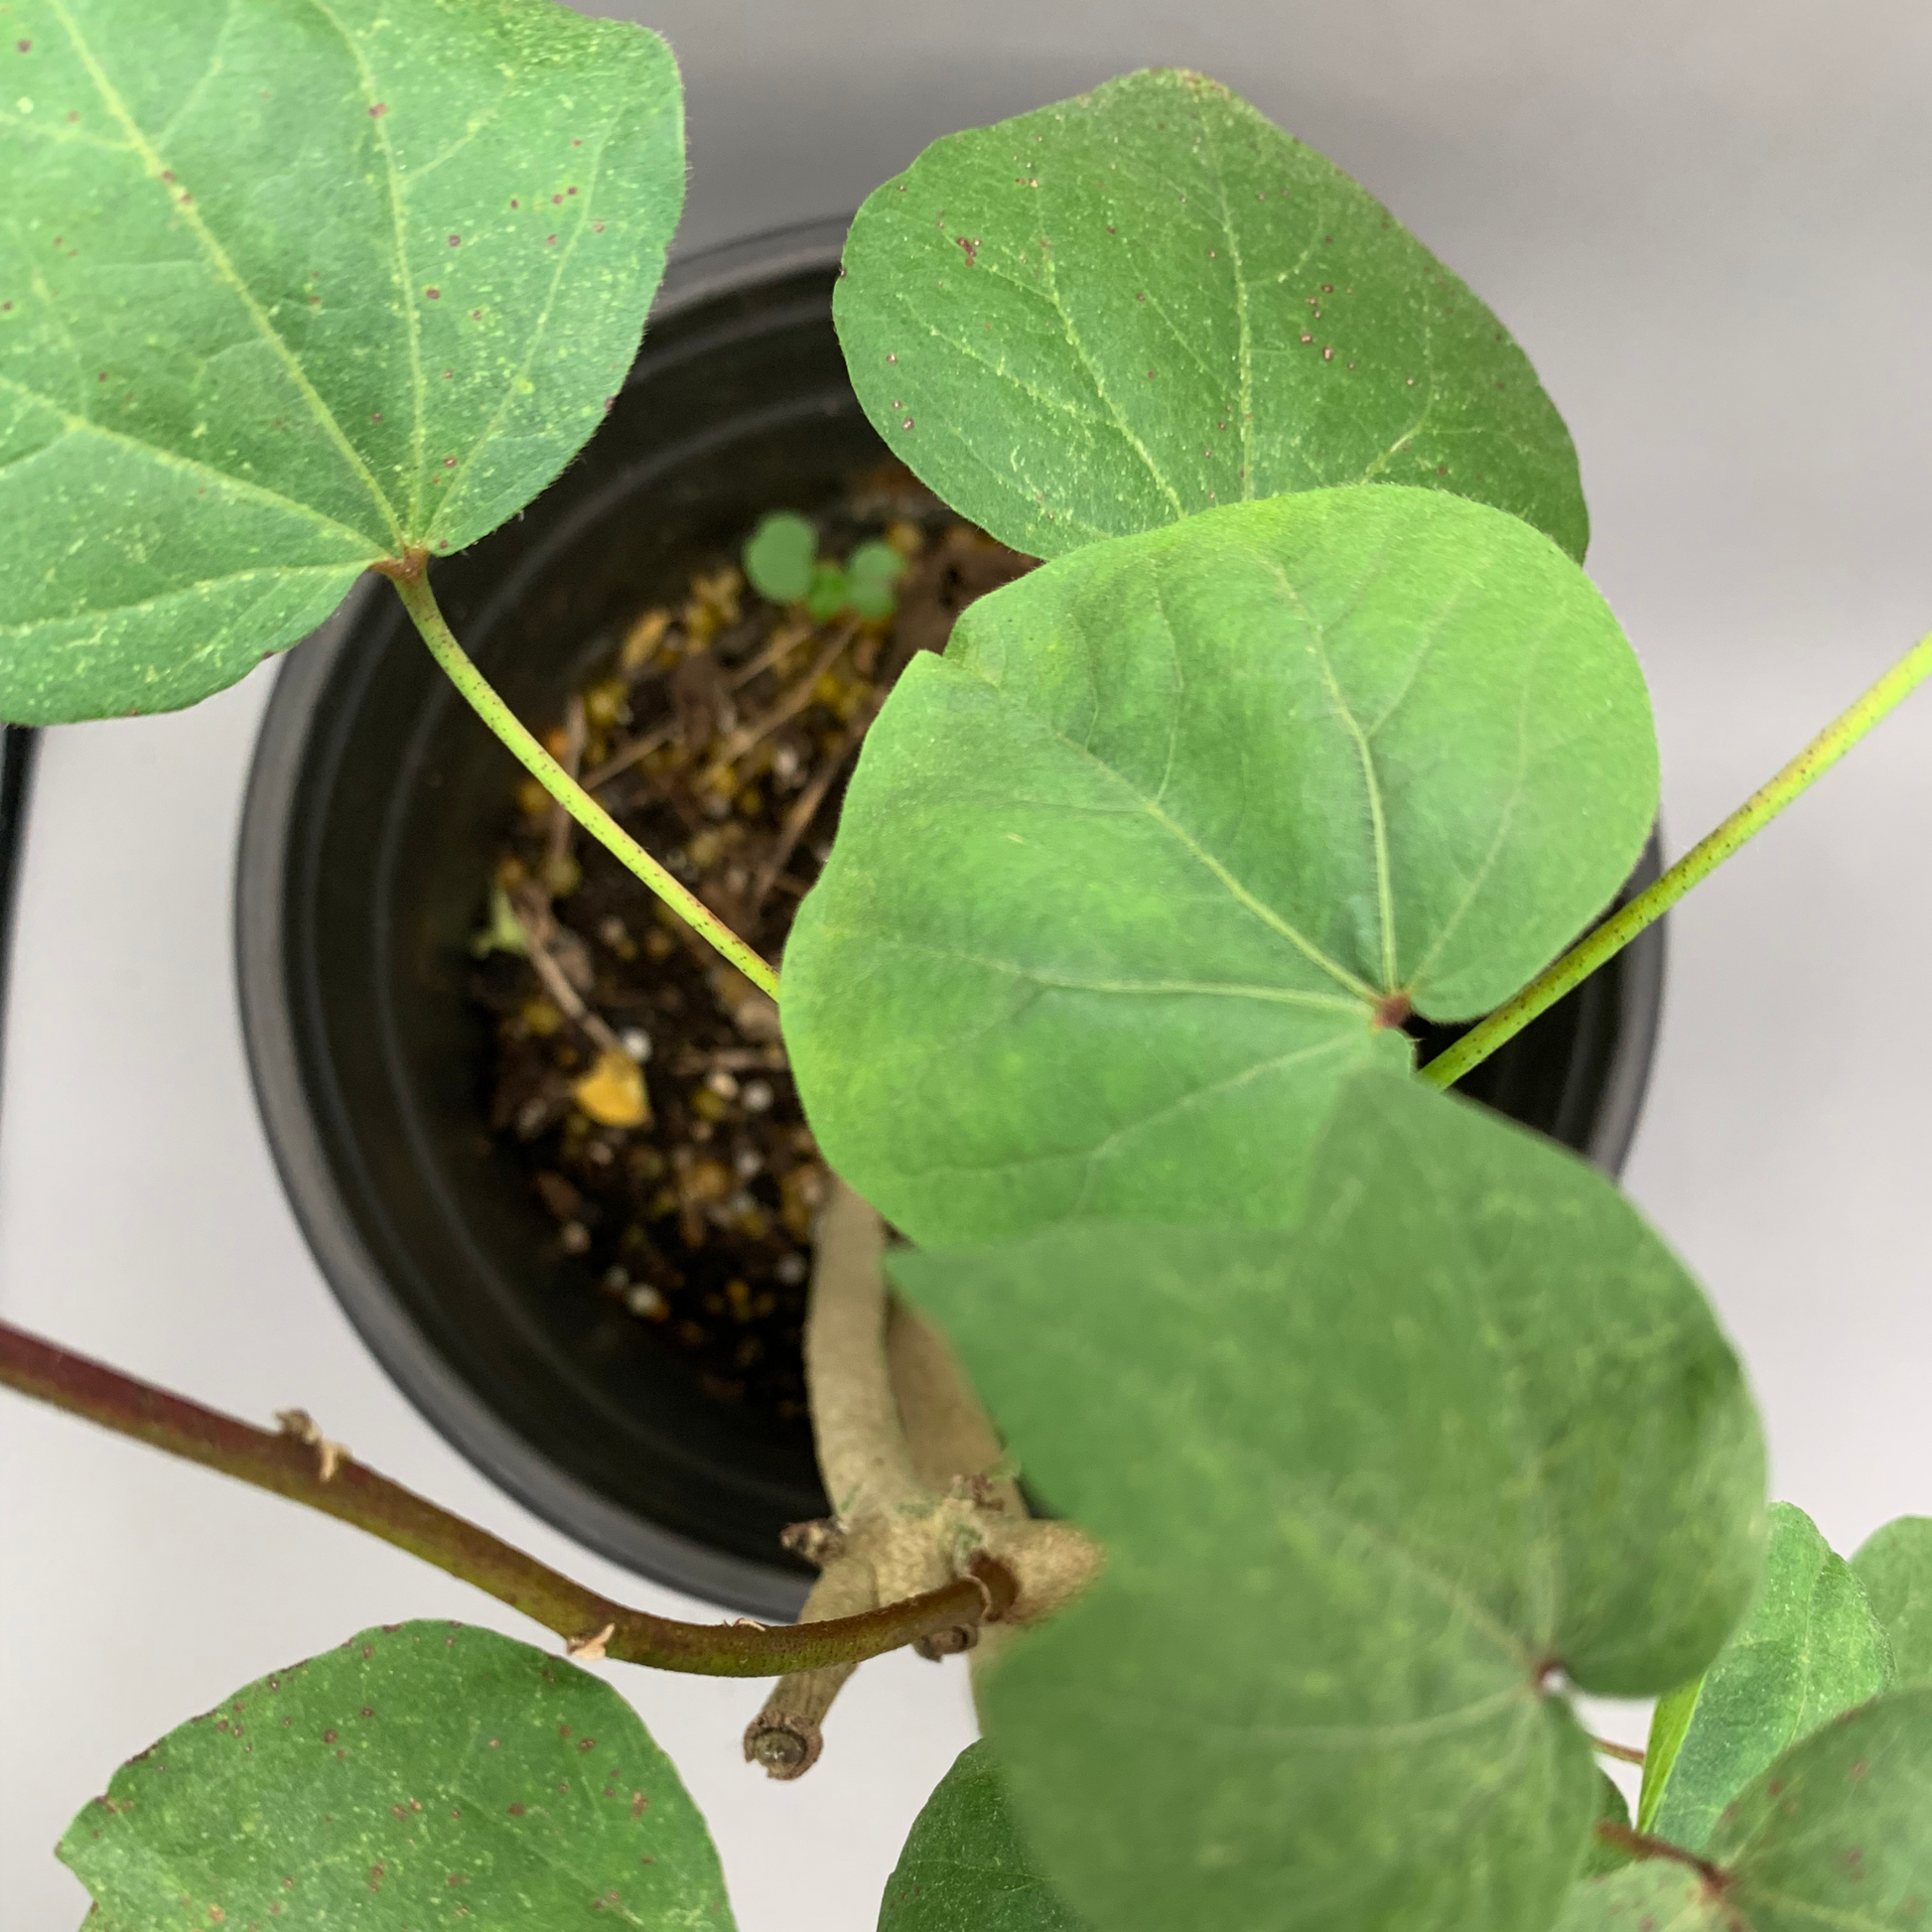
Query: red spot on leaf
(380,108)
(456,241)
(435,295)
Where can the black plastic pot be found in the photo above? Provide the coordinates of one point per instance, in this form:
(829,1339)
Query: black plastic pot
(374,809)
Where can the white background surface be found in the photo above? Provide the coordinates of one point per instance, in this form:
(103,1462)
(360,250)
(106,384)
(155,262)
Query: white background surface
(1711,225)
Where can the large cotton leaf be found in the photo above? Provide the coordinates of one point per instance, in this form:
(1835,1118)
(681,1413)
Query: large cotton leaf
(1835,1835)
(1894,1563)
(1809,1650)
(421,1774)
(1130,879)
(1103,316)
(1365,1483)
(965,1868)
(288,287)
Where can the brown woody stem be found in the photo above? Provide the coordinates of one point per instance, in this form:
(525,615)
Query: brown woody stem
(291,1467)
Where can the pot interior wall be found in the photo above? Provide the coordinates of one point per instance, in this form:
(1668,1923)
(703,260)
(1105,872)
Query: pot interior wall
(375,812)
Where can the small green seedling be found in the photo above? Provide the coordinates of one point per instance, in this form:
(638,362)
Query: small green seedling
(781,562)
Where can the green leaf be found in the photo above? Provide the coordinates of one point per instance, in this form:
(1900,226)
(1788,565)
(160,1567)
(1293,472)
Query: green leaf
(871,572)
(1659,1895)
(1100,316)
(1669,1723)
(825,593)
(778,556)
(1839,1831)
(1835,1834)
(286,290)
(1600,1855)
(1894,1563)
(1809,1650)
(965,1867)
(1364,1483)
(422,1773)
(1126,882)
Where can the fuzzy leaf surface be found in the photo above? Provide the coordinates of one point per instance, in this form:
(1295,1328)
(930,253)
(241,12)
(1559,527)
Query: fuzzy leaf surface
(288,287)
(1894,1563)
(1122,879)
(420,1775)
(1108,313)
(1809,1650)
(1362,1480)
(965,1868)
(1835,1835)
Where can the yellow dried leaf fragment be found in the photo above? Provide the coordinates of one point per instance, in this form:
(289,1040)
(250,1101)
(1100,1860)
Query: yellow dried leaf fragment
(613,1091)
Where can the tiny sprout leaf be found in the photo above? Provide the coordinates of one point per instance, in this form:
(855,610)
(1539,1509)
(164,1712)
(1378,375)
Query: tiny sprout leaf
(778,556)
(1809,1650)
(871,572)
(965,1868)
(504,932)
(827,593)
(1835,1834)
(1239,792)
(1364,1482)
(1894,1563)
(1105,314)
(285,291)
(424,1772)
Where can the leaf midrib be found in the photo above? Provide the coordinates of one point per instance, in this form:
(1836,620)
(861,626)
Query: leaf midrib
(77,425)
(400,266)
(225,271)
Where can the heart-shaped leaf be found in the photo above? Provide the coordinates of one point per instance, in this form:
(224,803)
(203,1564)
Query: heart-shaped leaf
(1809,1650)
(965,1867)
(1129,880)
(1097,317)
(1835,1834)
(421,1774)
(1894,1563)
(1364,1482)
(289,290)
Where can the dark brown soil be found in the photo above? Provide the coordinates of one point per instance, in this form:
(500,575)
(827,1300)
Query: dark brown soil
(720,736)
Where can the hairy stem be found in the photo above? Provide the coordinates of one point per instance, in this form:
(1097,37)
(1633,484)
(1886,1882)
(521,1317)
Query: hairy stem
(412,584)
(1750,818)
(299,1465)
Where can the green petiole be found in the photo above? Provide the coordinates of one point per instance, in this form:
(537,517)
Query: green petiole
(412,586)
(1703,859)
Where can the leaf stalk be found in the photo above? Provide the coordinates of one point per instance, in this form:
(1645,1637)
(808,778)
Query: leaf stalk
(411,579)
(1757,811)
